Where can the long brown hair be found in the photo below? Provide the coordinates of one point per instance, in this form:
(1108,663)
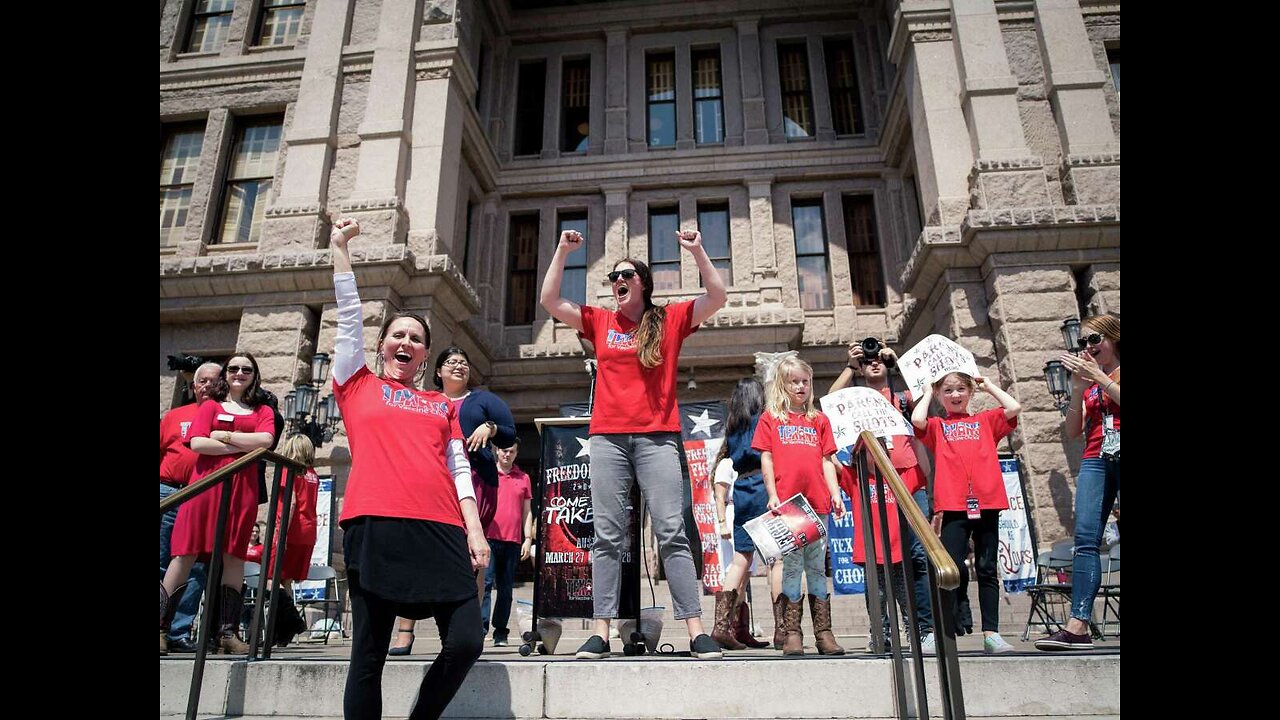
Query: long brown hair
(649,329)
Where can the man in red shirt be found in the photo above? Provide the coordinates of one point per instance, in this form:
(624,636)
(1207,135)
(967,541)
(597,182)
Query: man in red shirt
(510,535)
(176,463)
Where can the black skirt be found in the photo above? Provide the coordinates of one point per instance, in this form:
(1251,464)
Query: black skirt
(412,563)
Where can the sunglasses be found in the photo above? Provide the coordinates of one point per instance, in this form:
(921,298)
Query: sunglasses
(624,274)
(1091,339)
(239,369)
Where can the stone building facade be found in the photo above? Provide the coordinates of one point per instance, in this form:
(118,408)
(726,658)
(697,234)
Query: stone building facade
(860,167)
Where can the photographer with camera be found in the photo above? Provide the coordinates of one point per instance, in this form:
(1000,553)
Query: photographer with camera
(176,463)
(872,360)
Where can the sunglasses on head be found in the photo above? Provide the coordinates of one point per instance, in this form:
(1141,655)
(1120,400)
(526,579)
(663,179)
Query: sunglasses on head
(624,274)
(1090,339)
(239,369)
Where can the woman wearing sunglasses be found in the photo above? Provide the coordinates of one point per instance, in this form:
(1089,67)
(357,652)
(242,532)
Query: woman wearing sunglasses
(484,418)
(412,536)
(635,430)
(1095,413)
(233,421)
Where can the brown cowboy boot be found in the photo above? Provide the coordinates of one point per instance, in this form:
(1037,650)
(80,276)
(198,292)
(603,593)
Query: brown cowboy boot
(822,635)
(726,604)
(779,623)
(168,608)
(741,626)
(229,642)
(791,614)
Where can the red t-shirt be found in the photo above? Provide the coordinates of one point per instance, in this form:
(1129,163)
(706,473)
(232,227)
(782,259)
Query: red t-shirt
(903,455)
(629,397)
(176,459)
(508,522)
(398,437)
(798,445)
(1096,406)
(849,483)
(964,451)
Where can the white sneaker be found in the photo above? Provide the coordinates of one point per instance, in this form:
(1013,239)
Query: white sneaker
(929,645)
(993,644)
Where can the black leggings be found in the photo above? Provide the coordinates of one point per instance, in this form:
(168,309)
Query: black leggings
(957,528)
(373,617)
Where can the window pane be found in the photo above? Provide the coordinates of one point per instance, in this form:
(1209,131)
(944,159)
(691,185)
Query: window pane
(662,78)
(181,155)
(215,6)
(842,83)
(243,211)
(815,293)
(725,268)
(662,124)
(576,221)
(795,111)
(708,121)
(280,26)
(174,203)
(573,287)
(256,152)
(209,34)
(807,220)
(530,105)
(864,250)
(522,282)
(575,100)
(662,238)
(706,74)
(793,75)
(714,225)
(666,276)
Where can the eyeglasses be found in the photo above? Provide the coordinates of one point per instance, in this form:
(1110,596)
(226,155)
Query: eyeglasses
(1090,339)
(239,369)
(456,362)
(624,274)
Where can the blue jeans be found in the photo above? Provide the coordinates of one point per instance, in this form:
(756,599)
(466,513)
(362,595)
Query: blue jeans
(810,560)
(1096,488)
(186,613)
(919,570)
(503,556)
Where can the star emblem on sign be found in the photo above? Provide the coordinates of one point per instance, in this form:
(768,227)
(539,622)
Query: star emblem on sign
(702,423)
(586,447)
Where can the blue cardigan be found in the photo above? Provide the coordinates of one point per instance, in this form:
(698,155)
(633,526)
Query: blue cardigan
(483,406)
(746,459)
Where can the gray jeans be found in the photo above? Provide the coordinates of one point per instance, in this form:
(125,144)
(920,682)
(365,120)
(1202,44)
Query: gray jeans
(653,459)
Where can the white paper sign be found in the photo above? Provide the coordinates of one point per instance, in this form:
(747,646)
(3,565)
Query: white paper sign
(855,409)
(930,360)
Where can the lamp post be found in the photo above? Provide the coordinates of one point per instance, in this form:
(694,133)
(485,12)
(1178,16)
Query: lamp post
(308,415)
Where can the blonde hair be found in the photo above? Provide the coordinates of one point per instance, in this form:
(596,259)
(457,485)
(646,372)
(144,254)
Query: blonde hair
(776,400)
(299,447)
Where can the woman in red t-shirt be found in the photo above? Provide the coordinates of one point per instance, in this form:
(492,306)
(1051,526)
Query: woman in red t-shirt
(1095,413)
(968,490)
(229,424)
(254,553)
(635,431)
(412,538)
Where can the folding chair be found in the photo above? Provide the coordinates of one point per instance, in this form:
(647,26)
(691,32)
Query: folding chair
(1110,591)
(332,597)
(1051,595)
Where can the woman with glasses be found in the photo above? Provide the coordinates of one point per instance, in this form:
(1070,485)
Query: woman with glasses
(229,424)
(635,430)
(412,537)
(1095,413)
(484,418)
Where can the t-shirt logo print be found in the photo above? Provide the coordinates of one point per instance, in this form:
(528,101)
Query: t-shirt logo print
(798,435)
(620,340)
(185,427)
(407,400)
(961,430)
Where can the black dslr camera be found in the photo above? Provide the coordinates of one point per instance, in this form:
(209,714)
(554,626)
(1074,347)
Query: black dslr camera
(185,363)
(871,348)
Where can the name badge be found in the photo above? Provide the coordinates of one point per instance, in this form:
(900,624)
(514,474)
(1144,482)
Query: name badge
(226,417)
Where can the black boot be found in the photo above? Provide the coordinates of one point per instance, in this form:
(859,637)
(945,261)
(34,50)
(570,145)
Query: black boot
(288,624)
(168,608)
(228,640)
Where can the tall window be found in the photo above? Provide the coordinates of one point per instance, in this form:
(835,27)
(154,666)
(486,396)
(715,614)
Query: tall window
(713,223)
(179,157)
(660,79)
(210,21)
(708,97)
(522,278)
(575,105)
(531,91)
(664,249)
(811,254)
(253,163)
(467,240)
(280,22)
(1113,59)
(793,75)
(864,250)
(573,285)
(842,83)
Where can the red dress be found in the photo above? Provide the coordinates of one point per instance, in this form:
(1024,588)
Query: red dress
(301,539)
(193,531)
